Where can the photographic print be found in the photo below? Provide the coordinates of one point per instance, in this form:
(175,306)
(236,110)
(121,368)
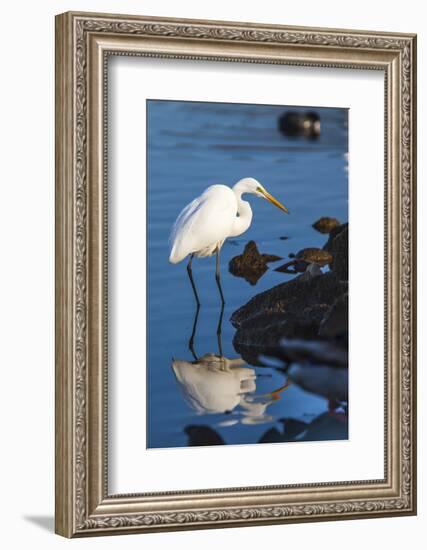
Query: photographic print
(247,325)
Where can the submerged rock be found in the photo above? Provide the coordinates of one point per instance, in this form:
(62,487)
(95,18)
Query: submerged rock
(202,436)
(325,224)
(291,429)
(328,382)
(251,265)
(326,426)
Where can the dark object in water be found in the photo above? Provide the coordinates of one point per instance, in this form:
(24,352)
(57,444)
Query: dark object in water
(202,436)
(337,245)
(293,267)
(313,352)
(322,380)
(291,429)
(325,224)
(297,123)
(335,322)
(326,426)
(304,308)
(305,257)
(314,256)
(251,265)
(293,309)
(284,238)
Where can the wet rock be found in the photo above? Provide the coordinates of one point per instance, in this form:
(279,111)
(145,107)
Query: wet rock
(294,309)
(310,308)
(325,224)
(297,123)
(335,322)
(315,255)
(337,246)
(251,265)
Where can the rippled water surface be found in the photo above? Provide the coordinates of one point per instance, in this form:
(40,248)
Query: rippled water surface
(191,146)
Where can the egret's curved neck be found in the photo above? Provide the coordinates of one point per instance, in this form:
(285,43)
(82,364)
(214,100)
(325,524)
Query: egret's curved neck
(244,211)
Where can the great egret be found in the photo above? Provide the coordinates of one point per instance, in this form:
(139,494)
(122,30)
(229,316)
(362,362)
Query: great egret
(203,225)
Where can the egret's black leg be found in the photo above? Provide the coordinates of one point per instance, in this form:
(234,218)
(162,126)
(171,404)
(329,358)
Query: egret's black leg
(193,333)
(219,330)
(190,274)
(218,278)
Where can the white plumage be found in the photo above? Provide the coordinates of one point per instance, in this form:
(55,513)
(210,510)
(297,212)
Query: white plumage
(203,225)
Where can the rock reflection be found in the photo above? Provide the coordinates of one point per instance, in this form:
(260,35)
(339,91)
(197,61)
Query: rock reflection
(325,427)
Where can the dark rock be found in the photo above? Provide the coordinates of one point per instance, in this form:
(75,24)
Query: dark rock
(310,308)
(284,238)
(294,309)
(327,426)
(335,322)
(337,245)
(315,255)
(251,265)
(202,436)
(325,224)
(292,428)
(297,123)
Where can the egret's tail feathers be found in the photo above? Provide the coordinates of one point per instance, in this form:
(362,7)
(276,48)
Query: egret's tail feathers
(173,258)
(176,255)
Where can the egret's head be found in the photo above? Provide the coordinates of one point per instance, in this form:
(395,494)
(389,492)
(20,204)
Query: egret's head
(251,185)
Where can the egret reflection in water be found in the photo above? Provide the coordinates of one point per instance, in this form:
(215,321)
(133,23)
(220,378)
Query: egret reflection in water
(213,384)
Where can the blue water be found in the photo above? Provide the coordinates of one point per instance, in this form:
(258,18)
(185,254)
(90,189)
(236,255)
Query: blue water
(191,146)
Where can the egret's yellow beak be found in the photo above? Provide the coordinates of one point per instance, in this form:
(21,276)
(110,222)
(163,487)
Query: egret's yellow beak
(274,201)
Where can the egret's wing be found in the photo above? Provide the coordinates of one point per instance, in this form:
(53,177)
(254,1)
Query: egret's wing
(205,221)
(184,218)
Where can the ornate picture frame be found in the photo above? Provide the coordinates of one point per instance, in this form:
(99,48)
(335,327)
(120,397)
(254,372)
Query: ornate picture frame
(84,41)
